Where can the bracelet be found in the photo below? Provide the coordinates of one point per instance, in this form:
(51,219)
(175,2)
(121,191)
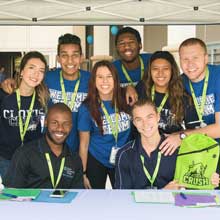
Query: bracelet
(84,172)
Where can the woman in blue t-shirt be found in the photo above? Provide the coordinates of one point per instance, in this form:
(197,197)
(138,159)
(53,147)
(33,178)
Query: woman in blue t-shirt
(103,124)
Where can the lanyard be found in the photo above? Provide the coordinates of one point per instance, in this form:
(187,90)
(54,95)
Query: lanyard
(200,109)
(23,128)
(163,101)
(126,73)
(64,95)
(151,179)
(51,170)
(114,128)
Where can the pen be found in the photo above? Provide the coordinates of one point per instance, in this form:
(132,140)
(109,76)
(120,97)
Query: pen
(183,195)
(9,195)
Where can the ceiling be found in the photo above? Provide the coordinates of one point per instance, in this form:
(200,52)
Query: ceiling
(103,12)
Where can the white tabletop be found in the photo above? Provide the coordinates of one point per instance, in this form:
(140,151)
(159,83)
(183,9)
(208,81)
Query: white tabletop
(102,205)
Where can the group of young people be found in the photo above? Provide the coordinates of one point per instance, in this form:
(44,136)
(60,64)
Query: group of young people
(79,150)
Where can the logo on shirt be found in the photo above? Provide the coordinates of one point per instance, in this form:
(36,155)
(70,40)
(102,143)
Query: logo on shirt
(56,97)
(13,120)
(68,172)
(128,84)
(209,108)
(123,123)
(167,119)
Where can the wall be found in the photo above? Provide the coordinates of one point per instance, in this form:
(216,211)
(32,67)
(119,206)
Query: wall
(155,38)
(209,33)
(26,38)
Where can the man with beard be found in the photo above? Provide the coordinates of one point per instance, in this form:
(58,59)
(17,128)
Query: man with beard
(47,162)
(131,65)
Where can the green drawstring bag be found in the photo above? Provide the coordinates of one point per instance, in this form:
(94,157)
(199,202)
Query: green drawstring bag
(197,160)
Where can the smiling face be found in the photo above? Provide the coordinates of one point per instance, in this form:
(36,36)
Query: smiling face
(128,47)
(59,125)
(70,59)
(146,119)
(193,61)
(104,83)
(32,73)
(161,74)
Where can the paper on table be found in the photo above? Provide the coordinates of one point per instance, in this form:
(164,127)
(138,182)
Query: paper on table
(194,199)
(153,196)
(21,193)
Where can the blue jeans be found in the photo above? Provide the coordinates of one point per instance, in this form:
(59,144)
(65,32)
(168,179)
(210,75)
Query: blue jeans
(4,164)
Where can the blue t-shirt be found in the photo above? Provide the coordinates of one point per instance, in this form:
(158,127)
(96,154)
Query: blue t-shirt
(100,145)
(52,80)
(135,74)
(212,103)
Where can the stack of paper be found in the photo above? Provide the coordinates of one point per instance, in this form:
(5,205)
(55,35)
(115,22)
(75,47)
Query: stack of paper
(153,196)
(195,199)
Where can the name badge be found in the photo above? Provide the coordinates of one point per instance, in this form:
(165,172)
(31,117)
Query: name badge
(113,153)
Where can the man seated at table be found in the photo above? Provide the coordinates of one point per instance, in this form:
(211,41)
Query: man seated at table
(140,165)
(47,162)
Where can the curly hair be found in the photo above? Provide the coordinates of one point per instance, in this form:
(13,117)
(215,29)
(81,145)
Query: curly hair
(175,87)
(193,41)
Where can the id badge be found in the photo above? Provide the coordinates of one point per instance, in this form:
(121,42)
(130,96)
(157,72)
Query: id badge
(113,153)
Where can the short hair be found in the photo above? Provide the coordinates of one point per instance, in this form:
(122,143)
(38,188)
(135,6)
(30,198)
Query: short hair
(69,39)
(193,41)
(142,102)
(61,107)
(128,30)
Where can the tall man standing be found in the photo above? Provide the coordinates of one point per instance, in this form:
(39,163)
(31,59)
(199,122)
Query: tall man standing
(69,84)
(131,65)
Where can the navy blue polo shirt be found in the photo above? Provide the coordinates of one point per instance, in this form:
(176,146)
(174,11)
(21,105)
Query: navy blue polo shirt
(129,168)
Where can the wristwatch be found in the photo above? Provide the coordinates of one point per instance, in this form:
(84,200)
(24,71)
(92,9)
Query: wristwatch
(182,135)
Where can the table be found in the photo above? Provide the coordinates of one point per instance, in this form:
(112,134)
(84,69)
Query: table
(102,205)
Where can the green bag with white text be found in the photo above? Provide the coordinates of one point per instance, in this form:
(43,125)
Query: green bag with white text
(197,160)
